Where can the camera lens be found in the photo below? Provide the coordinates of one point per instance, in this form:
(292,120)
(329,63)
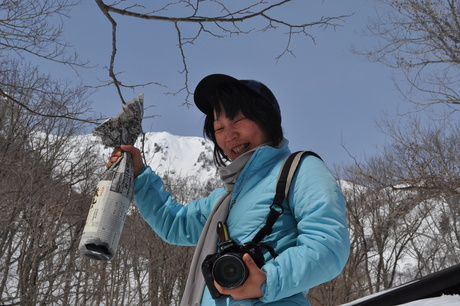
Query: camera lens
(229,271)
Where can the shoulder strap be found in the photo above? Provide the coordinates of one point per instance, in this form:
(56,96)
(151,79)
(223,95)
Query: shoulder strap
(285,176)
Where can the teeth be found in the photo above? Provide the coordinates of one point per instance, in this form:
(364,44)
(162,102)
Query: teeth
(239,149)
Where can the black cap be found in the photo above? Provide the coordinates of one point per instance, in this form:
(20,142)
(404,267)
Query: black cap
(207,86)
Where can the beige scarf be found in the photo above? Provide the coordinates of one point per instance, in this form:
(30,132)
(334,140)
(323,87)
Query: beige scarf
(207,243)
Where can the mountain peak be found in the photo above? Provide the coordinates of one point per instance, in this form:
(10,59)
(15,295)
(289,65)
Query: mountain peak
(181,156)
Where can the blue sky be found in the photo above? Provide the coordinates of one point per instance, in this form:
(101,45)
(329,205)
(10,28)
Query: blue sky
(329,97)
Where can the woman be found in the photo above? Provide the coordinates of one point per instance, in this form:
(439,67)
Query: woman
(243,121)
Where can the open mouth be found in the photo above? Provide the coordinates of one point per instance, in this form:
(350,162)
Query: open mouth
(240,149)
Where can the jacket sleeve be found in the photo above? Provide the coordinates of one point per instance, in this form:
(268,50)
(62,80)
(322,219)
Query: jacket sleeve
(323,246)
(173,222)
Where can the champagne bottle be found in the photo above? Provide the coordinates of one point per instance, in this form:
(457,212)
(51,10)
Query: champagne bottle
(108,210)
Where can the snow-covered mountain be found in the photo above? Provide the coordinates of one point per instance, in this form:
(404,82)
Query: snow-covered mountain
(167,154)
(179,155)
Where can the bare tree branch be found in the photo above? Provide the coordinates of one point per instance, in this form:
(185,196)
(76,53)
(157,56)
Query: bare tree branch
(221,19)
(421,39)
(38,94)
(33,29)
(71,116)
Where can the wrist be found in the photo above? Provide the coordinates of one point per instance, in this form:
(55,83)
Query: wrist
(140,171)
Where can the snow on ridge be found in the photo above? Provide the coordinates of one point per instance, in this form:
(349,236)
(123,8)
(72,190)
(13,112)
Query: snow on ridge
(181,156)
(167,154)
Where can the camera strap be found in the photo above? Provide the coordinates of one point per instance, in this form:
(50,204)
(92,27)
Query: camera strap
(285,176)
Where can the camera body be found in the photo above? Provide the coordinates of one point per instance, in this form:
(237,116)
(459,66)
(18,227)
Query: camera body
(227,268)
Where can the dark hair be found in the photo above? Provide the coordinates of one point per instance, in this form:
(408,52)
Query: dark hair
(232,98)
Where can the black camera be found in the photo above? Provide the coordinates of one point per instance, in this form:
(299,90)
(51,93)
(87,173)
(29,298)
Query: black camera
(226,266)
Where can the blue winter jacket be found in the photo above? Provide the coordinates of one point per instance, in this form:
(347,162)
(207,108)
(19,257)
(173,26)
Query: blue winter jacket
(311,235)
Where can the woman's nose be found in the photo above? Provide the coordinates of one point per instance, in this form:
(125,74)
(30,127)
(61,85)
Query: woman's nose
(231,134)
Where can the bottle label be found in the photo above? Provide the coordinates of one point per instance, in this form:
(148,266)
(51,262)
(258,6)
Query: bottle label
(108,210)
(100,199)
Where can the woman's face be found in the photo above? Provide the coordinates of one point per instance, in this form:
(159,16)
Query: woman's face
(238,135)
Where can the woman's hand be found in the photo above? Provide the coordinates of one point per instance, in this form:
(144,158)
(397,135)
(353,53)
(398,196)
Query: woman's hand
(138,164)
(252,287)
